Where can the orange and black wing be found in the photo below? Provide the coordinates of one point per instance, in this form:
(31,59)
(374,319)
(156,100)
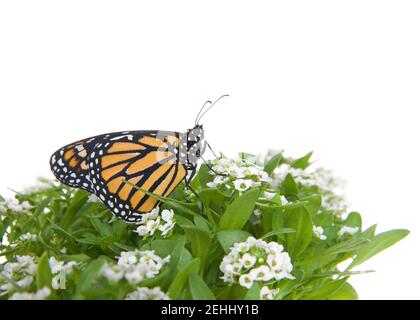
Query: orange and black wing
(144,160)
(69,164)
(103,164)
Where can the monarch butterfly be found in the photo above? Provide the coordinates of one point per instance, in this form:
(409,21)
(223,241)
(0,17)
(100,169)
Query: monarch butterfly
(150,160)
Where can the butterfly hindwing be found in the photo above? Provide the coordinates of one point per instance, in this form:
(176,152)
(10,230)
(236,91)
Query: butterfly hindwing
(143,159)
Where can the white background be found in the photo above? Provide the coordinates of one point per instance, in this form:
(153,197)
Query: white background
(337,77)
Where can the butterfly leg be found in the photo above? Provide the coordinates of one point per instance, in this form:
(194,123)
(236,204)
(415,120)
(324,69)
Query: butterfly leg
(212,170)
(212,151)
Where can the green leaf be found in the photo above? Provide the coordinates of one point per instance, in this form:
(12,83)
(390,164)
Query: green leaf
(302,163)
(3,229)
(320,259)
(81,257)
(38,211)
(228,238)
(119,229)
(204,176)
(201,223)
(346,292)
(43,273)
(347,246)
(175,248)
(298,219)
(200,242)
(212,199)
(65,234)
(289,185)
(89,275)
(77,202)
(277,221)
(277,232)
(354,220)
(369,233)
(104,229)
(199,289)
(178,283)
(253,293)
(325,291)
(273,163)
(182,221)
(379,243)
(239,211)
(313,203)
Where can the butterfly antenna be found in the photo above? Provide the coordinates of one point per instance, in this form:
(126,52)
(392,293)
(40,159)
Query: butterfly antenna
(211,106)
(198,115)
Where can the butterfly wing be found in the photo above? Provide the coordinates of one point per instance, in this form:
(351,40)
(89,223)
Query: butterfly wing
(103,164)
(69,164)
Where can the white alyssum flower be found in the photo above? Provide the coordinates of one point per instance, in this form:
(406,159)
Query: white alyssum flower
(268,294)
(144,293)
(256,260)
(268,195)
(60,270)
(28,237)
(169,223)
(257,212)
(39,295)
(242,184)
(20,272)
(135,266)
(153,221)
(319,232)
(334,202)
(347,230)
(239,174)
(42,184)
(248,261)
(263,157)
(330,187)
(13,206)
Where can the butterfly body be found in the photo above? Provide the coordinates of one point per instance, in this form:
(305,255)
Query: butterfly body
(117,166)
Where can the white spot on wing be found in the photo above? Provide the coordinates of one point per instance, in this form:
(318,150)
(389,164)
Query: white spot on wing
(129,137)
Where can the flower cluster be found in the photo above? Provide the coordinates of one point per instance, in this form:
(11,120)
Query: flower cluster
(26,237)
(239,174)
(135,266)
(256,260)
(268,294)
(41,185)
(153,221)
(329,186)
(60,270)
(17,275)
(319,232)
(23,270)
(39,295)
(13,206)
(144,293)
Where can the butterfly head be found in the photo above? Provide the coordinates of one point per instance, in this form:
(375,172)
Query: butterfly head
(195,137)
(195,144)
